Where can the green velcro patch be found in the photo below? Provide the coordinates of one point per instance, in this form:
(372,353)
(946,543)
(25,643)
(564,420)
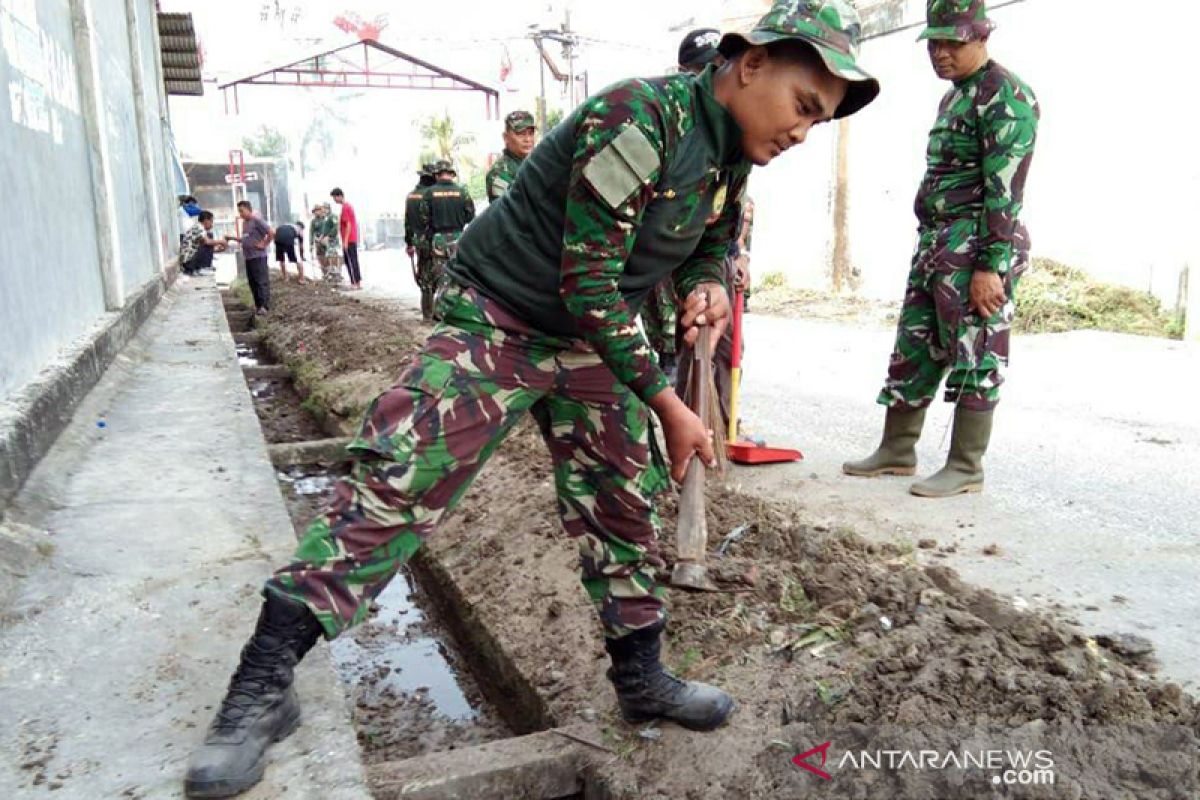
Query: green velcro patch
(620,169)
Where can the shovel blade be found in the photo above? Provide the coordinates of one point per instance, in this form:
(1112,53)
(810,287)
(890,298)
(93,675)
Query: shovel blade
(690,575)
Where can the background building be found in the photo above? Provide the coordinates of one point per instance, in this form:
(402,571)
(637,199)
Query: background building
(88,198)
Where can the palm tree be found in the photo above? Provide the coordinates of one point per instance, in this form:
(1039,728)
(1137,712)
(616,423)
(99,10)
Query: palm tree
(441,142)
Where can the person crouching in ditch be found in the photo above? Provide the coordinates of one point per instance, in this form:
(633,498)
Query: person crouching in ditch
(644,180)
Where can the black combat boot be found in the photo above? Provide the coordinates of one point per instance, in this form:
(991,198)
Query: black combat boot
(646,691)
(260,707)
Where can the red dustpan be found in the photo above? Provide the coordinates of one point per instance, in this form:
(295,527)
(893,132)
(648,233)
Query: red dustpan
(747,452)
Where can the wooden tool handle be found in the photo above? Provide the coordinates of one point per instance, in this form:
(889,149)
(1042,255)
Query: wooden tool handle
(692,534)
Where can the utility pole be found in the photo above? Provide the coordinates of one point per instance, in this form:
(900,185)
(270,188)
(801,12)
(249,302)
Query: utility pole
(541,105)
(569,52)
(569,41)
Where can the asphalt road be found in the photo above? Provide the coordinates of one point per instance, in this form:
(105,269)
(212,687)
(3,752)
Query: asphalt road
(1093,477)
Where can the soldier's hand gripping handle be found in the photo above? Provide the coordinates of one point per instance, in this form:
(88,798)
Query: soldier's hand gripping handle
(708,304)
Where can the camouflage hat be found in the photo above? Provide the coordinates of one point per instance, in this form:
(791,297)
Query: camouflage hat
(832,27)
(519,121)
(957,21)
(444,166)
(428,168)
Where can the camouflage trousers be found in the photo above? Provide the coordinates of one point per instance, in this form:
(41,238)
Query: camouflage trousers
(425,277)
(424,440)
(330,260)
(659,316)
(939,333)
(442,248)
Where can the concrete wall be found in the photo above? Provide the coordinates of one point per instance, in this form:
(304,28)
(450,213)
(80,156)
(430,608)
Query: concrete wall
(1115,183)
(86,201)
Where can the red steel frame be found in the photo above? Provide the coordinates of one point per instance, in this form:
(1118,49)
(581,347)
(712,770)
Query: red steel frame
(317,71)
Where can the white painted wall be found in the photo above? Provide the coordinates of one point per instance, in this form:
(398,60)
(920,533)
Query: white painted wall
(54,245)
(1115,185)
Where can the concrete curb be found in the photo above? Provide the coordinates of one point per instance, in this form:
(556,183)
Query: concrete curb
(540,766)
(317,451)
(42,408)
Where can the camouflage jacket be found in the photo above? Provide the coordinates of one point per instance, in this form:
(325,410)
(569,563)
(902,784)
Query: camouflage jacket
(416,217)
(501,175)
(324,235)
(980,150)
(642,182)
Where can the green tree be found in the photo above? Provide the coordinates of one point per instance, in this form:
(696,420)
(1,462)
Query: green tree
(267,142)
(442,142)
(553,117)
(327,120)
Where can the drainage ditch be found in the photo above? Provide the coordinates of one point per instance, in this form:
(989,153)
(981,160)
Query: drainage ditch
(413,690)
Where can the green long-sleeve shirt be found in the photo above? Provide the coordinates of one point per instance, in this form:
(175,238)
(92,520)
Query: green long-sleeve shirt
(643,181)
(980,151)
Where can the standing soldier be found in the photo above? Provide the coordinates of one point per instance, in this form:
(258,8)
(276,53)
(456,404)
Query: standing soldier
(326,245)
(642,181)
(416,238)
(972,249)
(660,318)
(450,209)
(519,133)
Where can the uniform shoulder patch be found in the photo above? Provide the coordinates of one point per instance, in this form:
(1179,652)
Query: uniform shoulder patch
(500,183)
(619,170)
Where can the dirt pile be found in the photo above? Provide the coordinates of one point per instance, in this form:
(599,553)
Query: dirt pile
(823,637)
(342,351)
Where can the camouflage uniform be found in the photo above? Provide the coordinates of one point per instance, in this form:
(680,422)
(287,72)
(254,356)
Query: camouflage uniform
(643,182)
(326,246)
(423,442)
(660,318)
(504,171)
(416,236)
(447,210)
(745,237)
(968,209)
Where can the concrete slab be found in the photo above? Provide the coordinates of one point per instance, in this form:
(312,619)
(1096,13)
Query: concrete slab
(540,766)
(164,517)
(267,371)
(319,451)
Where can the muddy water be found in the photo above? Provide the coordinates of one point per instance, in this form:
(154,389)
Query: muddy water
(412,691)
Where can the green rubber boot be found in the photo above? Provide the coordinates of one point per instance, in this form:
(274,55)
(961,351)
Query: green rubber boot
(963,472)
(897,452)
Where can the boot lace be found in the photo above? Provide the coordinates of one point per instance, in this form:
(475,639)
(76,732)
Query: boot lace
(258,672)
